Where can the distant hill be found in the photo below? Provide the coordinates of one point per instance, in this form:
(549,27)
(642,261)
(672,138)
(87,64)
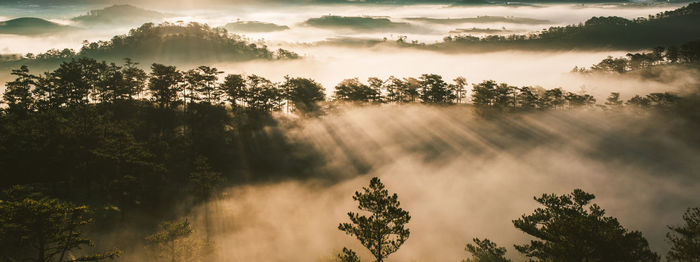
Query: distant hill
(663,29)
(118,14)
(481,19)
(164,43)
(31,26)
(254,26)
(362,23)
(480,31)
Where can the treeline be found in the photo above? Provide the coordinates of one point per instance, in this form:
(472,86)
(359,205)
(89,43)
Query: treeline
(105,128)
(87,81)
(125,141)
(688,53)
(193,42)
(663,29)
(487,95)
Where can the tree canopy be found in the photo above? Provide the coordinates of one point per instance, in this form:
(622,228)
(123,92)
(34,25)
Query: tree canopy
(685,239)
(384,231)
(570,228)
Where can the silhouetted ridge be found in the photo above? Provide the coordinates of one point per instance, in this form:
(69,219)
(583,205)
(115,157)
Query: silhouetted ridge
(663,29)
(30,26)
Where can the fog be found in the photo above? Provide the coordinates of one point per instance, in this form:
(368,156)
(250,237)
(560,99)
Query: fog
(459,175)
(329,65)
(468,178)
(294,16)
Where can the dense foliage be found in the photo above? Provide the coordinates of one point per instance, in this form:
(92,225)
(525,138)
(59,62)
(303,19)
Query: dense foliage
(384,230)
(570,228)
(34,227)
(124,141)
(685,239)
(166,42)
(687,54)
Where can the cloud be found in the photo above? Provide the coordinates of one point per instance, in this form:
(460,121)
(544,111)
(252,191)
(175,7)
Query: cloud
(461,176)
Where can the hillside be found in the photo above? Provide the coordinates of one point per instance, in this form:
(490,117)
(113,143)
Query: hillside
(254,26)
(664,29)
(193,43)
(361,24)
(31,26)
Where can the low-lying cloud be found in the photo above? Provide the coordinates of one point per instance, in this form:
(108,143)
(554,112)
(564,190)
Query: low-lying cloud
(461,177)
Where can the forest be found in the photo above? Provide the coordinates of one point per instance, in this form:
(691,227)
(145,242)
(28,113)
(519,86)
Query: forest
(333,130)
(166,42)
(125,139)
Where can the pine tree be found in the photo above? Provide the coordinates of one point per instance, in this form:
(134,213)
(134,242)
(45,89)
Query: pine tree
(384,231)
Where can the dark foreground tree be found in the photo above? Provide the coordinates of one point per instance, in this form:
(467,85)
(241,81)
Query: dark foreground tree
(685,239)
(570,228)
(37,228)
(384,231)
(485,251)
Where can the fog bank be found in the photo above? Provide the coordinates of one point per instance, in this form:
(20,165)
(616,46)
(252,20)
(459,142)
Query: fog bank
(461,177)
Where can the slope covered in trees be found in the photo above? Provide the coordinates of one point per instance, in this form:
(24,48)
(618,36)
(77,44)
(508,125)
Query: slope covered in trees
(167,42)
(31,26)
(663,29)
(687,54)
(254,26)
(360,23)
(481,19)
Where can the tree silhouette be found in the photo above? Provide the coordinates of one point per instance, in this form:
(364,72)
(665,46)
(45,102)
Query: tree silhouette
(304,93)
(165,84)
(613,101)
(201,85)
(384,231)
(639,101)
(18,94)
(135,78)
(234,89)
(205,183)
(347,255)
(434,90)
(570,228)
(685,239)
(483,93)
(377,85)
(262,95)
(354,91)
(47,228)
(459,89)
(527,98)
(485,251)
